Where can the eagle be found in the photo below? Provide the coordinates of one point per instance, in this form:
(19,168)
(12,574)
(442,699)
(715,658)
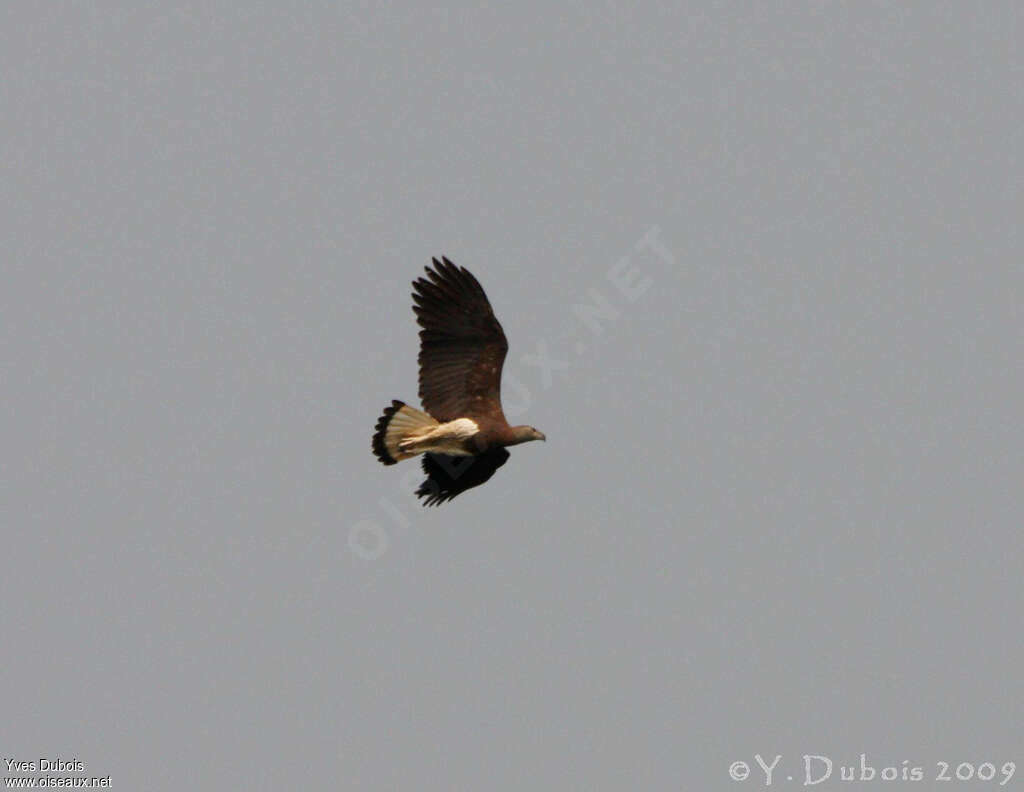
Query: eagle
(461,431)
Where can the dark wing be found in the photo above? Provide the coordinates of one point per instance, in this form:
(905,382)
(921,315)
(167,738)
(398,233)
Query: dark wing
(448,476)
(462,345)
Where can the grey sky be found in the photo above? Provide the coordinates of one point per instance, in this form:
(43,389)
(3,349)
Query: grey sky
(778,511)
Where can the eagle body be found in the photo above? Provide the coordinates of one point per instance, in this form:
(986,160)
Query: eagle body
(462,432)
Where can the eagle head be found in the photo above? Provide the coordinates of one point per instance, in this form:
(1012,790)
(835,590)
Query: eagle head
(524,434)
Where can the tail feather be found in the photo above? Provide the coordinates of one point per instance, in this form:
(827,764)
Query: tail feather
(398,422)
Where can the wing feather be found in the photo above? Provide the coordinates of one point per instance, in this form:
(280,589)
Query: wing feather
(450,476)
(462,345)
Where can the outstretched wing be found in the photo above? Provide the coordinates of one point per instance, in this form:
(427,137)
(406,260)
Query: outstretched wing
(448,476)
(462,345)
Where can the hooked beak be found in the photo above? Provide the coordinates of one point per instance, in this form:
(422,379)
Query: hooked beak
(542,437)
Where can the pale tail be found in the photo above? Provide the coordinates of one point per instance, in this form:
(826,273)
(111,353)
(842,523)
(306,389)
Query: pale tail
(398,422)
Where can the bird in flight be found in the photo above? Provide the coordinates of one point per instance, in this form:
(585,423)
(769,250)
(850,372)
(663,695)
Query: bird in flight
(463,434)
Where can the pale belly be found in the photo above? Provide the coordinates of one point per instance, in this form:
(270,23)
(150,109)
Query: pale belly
(448,438)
